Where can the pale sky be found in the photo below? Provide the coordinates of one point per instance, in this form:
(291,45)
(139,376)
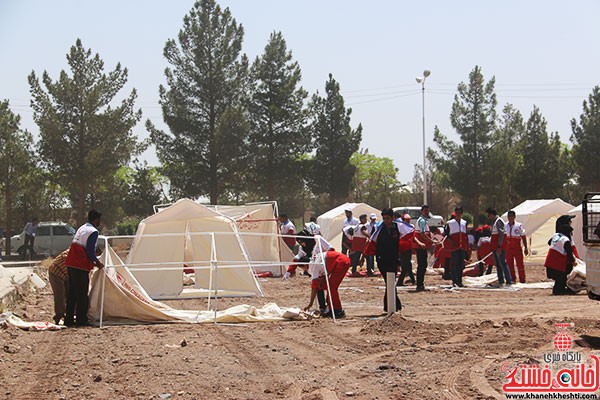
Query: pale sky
(541,52)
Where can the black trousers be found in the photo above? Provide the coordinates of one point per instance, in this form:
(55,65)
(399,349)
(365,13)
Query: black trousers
(406,265)
(77,298)
(385,267)
(421,266)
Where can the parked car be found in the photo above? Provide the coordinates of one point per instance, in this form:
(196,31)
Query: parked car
(415,212)
(51,238)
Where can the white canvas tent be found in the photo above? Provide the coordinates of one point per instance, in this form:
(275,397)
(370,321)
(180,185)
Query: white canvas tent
(333,220)
(260,218)
(192,235)
(539,218)
(117,297)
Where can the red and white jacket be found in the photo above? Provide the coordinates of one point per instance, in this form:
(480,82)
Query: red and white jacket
(557,255)
(78,257)
(458,233)
(514,235)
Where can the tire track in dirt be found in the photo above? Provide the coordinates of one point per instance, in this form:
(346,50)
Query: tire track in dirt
(479,380)
(449,380)
(36,386)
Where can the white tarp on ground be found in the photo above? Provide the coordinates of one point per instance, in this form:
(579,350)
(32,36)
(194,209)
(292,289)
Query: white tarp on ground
(126,301)
(333,220)
(539,218)
(260,218)
(182,235)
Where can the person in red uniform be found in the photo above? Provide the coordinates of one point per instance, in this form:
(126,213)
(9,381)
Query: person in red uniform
(560,259)
(515,235)
(80,261)
(337,265)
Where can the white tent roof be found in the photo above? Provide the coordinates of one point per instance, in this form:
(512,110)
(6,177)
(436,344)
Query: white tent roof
(260,218)
(332,221)
(171,239)
(539,218)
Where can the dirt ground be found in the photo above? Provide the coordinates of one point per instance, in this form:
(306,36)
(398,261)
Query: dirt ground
(443,345)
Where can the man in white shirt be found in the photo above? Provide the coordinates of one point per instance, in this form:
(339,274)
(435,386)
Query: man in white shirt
(371,227)
(30,230)
(349,221)
(287,228)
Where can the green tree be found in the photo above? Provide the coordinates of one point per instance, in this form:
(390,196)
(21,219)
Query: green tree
(84,138)
(144,190)
(375,181)
(473,117)
(505,159)
(279,135)
(540,174)
(335,141)
(16,162)
(586,143)
(207,77)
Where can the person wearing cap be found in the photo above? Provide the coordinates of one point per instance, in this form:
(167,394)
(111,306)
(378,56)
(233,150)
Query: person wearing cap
(424,235)
(484,248)
(457,244)
(384,244)
(567,220)
(348,221)
(80,261)
(499,245)
(371,227)
(560,258)
(515,235)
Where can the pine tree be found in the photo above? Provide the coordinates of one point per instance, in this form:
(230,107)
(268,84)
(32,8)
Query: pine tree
(335,141)
(279,135)
(540,174)
(586,143)
(207,78)
(473,117)
(83,138)
(16,163)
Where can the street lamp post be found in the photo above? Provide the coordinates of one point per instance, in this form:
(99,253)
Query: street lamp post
(421,80)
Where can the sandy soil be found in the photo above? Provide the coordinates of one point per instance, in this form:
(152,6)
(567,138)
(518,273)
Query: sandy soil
(443,345)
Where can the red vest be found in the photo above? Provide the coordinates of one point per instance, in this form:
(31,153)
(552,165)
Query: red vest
(458,233)
(77,257)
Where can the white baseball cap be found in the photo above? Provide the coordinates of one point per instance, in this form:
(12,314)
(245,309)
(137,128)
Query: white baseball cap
(373,216)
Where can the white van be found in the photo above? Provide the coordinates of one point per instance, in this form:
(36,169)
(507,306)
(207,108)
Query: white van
(51,238)
(415,212)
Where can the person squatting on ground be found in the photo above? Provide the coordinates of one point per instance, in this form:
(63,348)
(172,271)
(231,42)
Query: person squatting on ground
(457,243)
(484,249)
(59,282)
(30,230)
(424,235)
(499,245)
(560,258)
(384,245)
(336,267)
(515,235)
(80,261)
(348,221)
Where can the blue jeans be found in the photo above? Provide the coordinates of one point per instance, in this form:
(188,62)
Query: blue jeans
(457,266)
(502,268)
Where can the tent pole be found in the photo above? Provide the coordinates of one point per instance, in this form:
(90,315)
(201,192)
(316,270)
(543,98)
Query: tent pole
(213,263)
(103,283)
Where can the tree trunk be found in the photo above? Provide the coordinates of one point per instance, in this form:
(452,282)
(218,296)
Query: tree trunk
(7,217)
(81,204)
